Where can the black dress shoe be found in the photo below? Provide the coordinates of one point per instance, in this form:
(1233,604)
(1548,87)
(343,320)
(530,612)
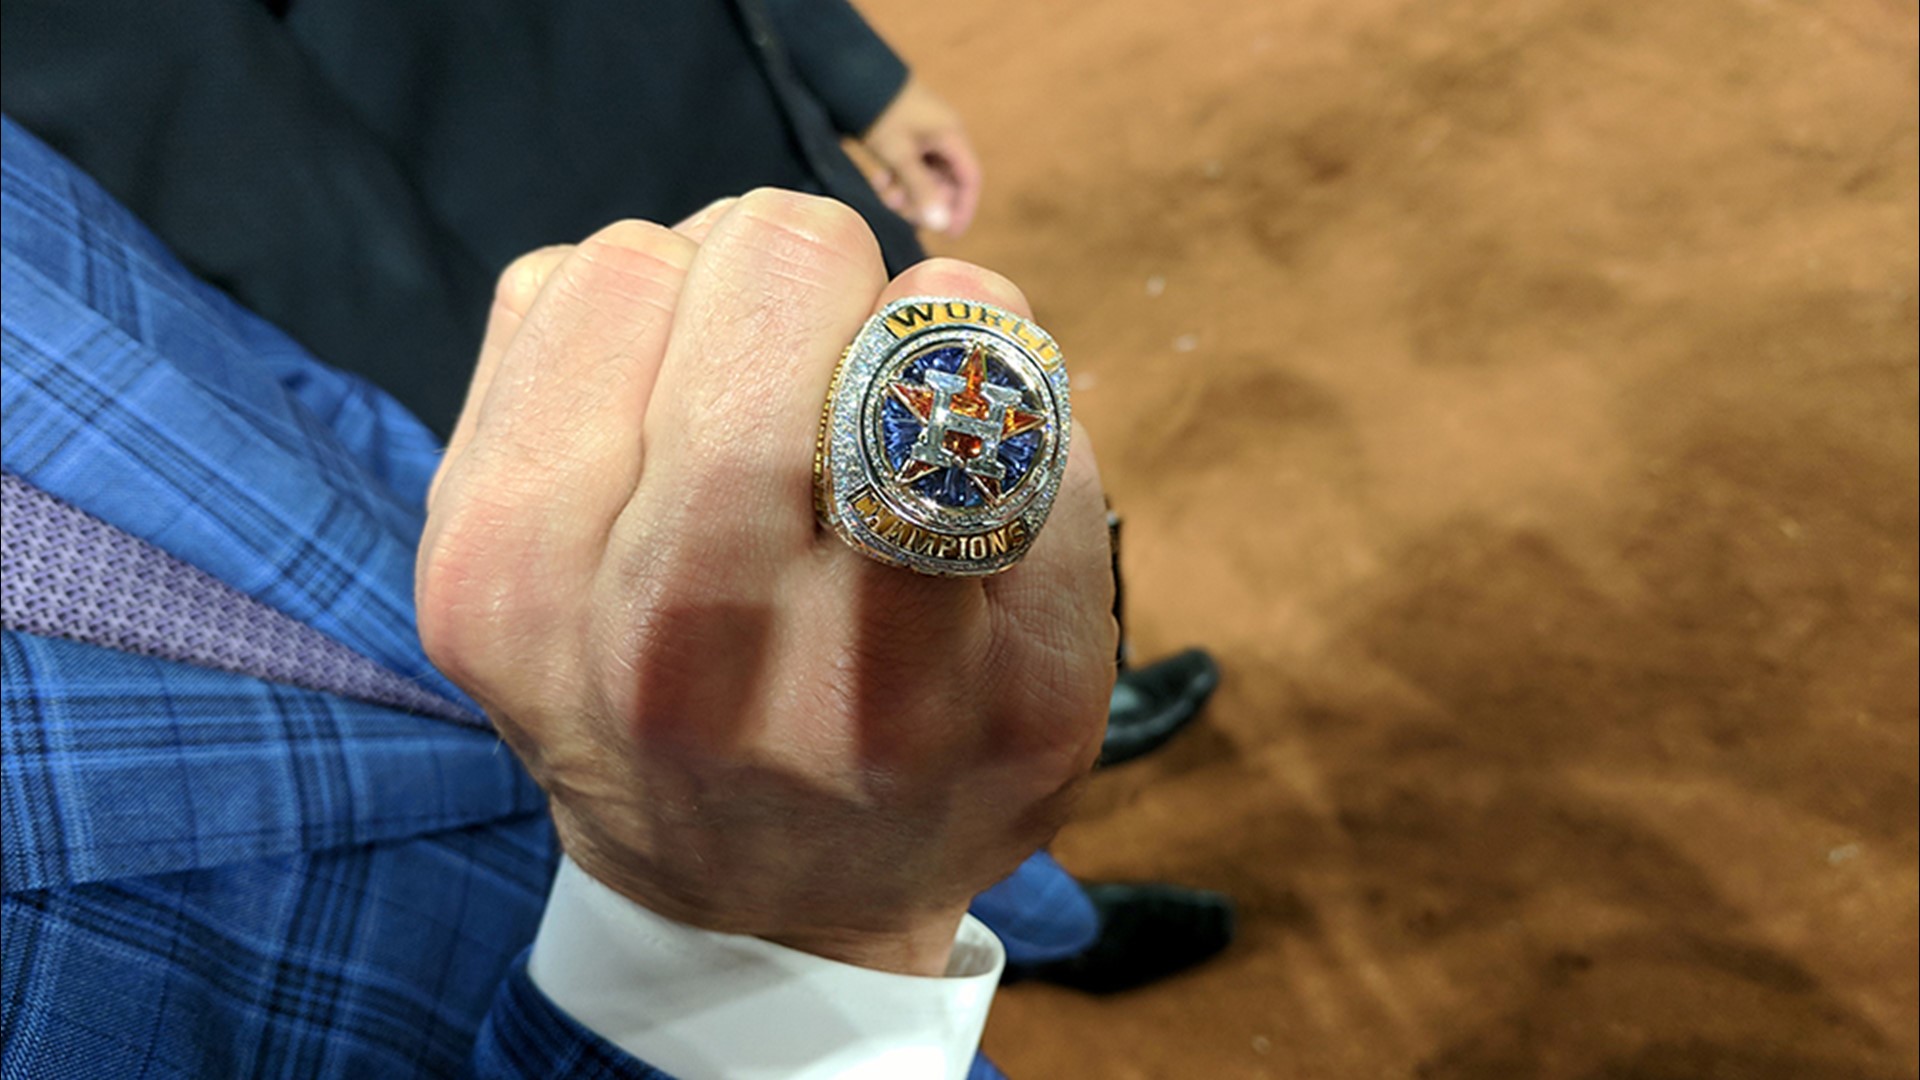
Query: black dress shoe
(1147,932)
(1151,704)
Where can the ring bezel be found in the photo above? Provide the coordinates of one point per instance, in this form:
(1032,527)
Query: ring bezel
(856,478)
(917,506)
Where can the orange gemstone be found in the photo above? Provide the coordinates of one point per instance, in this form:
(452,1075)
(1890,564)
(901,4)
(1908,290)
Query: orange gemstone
(1019,421)
(917,399)
(962,445)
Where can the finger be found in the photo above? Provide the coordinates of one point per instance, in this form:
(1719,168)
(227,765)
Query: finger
(927,200)
(513,293)
(1062,592)
(695,228)
(519,283)
(963,281)
(907,621)
(773,297)
(955,152)
(1056,610)
(556,448)
(891,194)
(960,280)
(1064,586)
(900,590)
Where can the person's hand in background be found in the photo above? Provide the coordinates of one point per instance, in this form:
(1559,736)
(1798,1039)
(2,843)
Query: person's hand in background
(927,173)
(743,724)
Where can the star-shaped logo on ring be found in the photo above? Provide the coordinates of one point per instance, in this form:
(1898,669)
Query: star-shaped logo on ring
(966,418)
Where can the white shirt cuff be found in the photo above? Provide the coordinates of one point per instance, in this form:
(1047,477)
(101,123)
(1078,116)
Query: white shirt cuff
(699,1004)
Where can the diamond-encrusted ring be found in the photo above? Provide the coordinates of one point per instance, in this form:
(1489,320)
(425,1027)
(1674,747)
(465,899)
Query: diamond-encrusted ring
(944,437)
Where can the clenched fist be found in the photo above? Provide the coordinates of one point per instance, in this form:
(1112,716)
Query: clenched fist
(743,724)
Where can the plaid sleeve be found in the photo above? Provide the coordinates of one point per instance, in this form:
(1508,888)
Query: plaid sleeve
(526,1035)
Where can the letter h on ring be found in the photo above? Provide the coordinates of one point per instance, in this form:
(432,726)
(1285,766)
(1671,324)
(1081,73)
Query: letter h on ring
(931,448)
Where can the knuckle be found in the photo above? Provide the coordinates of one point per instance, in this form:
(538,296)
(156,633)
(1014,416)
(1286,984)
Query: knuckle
(801,228)
(941,276)
(633,234)
(709,213)
(630,258)
(521,281)
(621,282)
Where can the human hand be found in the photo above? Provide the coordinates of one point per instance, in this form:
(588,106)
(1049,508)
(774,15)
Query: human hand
(743,724)
(929,173)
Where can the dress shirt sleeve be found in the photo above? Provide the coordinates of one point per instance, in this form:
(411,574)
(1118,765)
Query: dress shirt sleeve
(699,1004)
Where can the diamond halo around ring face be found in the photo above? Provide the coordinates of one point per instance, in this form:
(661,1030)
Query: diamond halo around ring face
(944,437)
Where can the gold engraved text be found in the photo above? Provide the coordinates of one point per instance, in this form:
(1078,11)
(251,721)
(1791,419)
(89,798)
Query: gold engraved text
(912,317)
(894,529)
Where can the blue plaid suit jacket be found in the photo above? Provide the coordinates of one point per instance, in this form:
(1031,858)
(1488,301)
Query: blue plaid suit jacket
(205,874)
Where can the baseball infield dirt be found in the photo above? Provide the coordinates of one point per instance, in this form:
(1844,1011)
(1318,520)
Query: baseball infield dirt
(1520,398)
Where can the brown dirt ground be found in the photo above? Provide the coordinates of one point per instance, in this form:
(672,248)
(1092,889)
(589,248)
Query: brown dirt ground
(1527,417)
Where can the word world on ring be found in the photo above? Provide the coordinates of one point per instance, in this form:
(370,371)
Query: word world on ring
(944,437)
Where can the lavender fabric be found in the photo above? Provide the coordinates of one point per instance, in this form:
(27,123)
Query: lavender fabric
(65,573)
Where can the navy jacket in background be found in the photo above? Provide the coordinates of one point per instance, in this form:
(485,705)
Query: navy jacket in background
(358,171)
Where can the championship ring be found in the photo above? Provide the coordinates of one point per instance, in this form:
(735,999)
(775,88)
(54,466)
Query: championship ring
(944,437)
